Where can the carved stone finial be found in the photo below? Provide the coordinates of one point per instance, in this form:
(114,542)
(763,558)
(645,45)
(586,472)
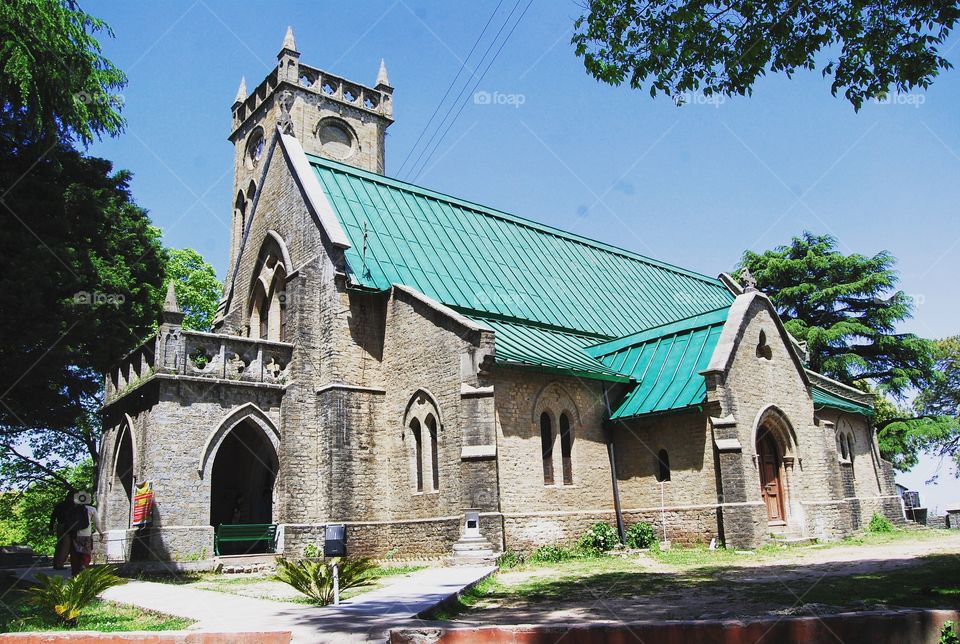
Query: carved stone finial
(748,280)
(170,302)
(172,314)
(241,91)
(382,78)
(288,41)
(285,121)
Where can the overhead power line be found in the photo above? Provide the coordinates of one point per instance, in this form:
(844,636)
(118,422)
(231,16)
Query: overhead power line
(463,103)
(463,65)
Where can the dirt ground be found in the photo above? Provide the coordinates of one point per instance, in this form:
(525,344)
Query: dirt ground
(807,580)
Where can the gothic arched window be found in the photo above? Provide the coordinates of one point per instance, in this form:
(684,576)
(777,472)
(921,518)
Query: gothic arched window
(566,449)
(425,423)
(546,447)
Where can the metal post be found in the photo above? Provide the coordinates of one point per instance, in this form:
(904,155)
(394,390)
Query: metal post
(336,584)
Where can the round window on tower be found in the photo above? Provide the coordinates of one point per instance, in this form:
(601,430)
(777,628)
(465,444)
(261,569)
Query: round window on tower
(337,140)
(254,148)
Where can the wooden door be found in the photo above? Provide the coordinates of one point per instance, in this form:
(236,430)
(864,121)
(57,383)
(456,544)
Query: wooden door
(771,488)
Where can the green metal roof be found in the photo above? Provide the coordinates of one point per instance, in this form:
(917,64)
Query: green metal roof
(526,345)
(824,398)
(666,362)
(487,263)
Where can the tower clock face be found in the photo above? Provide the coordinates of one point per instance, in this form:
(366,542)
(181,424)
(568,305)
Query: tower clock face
(336,140)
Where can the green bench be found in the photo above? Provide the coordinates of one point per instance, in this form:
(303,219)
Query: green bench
(245,533)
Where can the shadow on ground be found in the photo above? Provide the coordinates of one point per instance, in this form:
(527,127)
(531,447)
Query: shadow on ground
(719,592)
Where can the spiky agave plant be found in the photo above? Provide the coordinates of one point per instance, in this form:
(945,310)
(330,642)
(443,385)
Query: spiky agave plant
(315,578)
(66,598)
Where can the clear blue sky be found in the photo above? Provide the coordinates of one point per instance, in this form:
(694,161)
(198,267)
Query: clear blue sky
(694,186)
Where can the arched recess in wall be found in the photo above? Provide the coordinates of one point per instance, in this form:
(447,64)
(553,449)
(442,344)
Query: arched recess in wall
(247,412)
(422,431)
(555,397)
(556,420)
(267,302)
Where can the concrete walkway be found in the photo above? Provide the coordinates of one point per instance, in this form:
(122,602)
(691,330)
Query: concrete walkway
(364,618)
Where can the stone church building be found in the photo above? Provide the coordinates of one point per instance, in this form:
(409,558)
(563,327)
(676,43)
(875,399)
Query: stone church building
(395,359)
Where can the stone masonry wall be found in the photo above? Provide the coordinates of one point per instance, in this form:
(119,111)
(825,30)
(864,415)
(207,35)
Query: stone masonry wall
(536,513)
(690,495)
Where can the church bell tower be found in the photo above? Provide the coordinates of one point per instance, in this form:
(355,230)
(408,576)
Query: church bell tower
(332,117)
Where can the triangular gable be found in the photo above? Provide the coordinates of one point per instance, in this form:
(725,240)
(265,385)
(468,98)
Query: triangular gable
(735,327)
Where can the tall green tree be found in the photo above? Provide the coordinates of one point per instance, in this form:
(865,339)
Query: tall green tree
(54,75)
(868,48)
(933,425)
(79,260)
(197,287)
(846,308)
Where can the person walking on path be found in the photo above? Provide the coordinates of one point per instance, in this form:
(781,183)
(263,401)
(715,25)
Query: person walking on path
(84,522)
(59,525)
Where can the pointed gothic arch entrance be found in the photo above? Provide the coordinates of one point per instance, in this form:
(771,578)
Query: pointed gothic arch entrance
(241,480)
(775,443)
(769,462)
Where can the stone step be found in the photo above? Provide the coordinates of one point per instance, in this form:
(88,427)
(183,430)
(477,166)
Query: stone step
(488,559)
(264,562)
(475,546)
(793,539)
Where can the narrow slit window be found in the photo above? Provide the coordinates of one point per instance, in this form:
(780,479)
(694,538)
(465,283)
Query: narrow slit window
(663,466)
(418,452)
(566,449)
(546,447)
(434,452)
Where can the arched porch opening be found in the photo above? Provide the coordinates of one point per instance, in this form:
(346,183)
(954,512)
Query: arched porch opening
(120,488)
(241,482)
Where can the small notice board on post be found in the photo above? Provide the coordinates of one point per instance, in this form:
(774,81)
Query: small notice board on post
(143,500)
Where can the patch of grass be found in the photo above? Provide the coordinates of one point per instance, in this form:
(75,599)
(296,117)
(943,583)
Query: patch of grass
(469,598)
(401,569)
(100,616)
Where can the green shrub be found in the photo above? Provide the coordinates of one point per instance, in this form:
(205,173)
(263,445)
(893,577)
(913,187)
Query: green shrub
(551,554)
(315,578)
(880,523)
(600,537)
(948,634)
(641,535)
(311,551)
(510,559)
(65,598)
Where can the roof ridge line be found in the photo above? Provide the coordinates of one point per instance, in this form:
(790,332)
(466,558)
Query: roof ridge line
(513,218)
(499,317)
(627,337)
